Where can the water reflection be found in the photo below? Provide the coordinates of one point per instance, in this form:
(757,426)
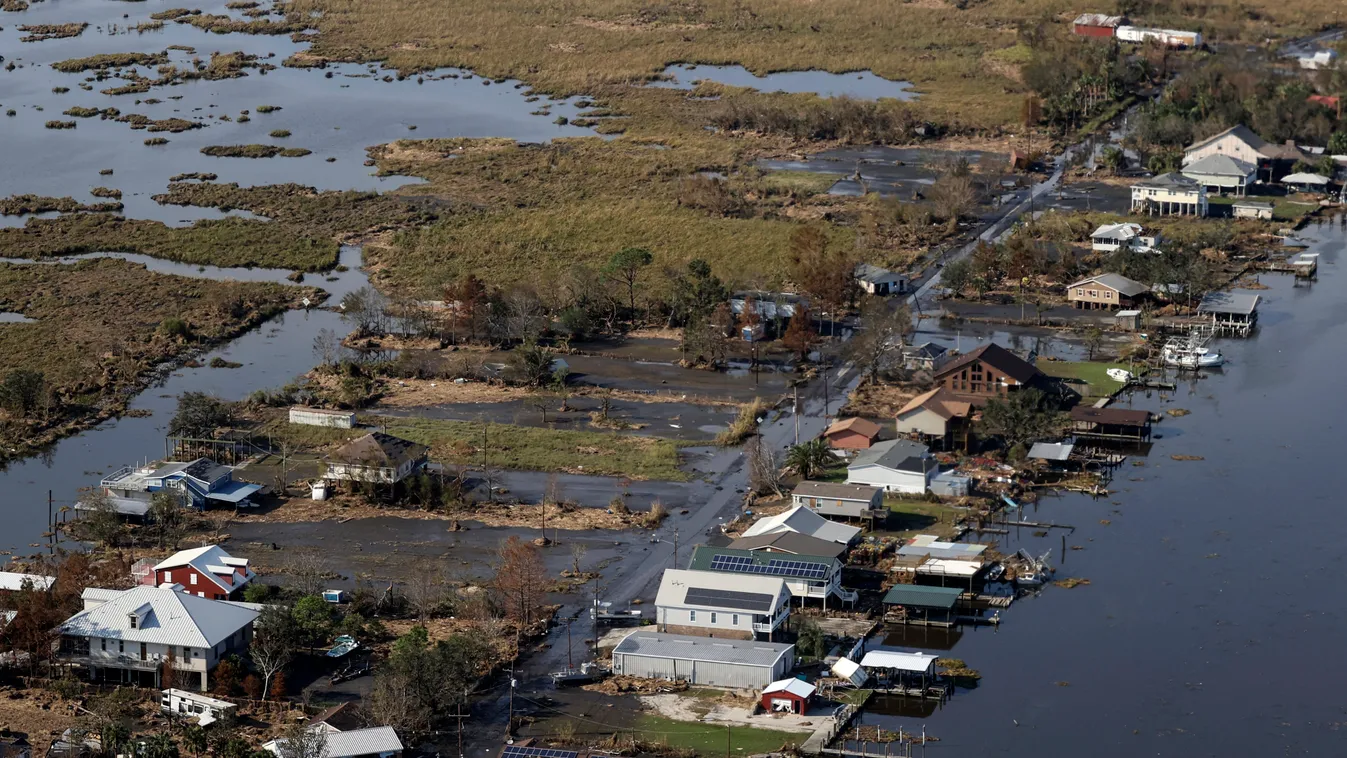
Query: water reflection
(863,85)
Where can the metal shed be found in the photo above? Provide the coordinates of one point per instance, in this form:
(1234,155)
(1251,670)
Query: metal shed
(322,417)
(738,664)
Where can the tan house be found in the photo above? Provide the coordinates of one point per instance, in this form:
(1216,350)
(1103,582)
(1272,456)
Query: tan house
(938,414)
(1171,194)
(1241,143)
(852,434)
(1105,291)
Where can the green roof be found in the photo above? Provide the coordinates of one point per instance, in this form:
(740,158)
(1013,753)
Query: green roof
(773,564)
(920,596)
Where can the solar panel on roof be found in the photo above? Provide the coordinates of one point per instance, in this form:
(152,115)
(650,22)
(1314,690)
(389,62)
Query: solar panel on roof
(515,751)
(775,567)
(747,601)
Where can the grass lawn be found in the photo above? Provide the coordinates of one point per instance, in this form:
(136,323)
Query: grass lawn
(1092,373)
(805,182)
(909,516)
(705,739)
(1289,210)
(534,449)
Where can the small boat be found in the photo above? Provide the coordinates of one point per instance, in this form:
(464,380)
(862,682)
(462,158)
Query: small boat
(1120,375)
(588,672)
(346,644)
(1191,353)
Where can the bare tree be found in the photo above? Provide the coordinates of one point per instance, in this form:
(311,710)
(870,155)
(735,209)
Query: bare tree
(327,347)
(764,468)
(953,196)
(521,579)
(880,340)
(301,741)
(427,588)
(306,572)
(578,550)
(273,644)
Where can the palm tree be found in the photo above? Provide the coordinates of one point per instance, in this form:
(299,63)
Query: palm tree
(114,737)
(809,458)
(160,746)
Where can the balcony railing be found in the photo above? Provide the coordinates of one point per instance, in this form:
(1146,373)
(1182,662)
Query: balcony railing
(124,661)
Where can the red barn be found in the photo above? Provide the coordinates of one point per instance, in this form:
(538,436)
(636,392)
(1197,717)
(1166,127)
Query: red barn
(852,434)
(207,572)
(787,696)
(1096,25)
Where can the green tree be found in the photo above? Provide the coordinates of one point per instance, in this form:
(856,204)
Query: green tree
(625,267)
(810,641)
(22,391)
(194,739)
(1337,144)
(160,745)
(696,292)
(531,364)
(313,620)
(956,276)
(809,458)
(1020,418)
(168,517)
(1113,159)
(199,415)
(300,741)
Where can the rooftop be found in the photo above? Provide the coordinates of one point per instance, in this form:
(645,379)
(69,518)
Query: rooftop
(1219,164)
(1099,19)
(1238,303)
(1111,416)
(1171,180)
(1123,231)
(925,350)
(169,618)
(357,742)
(1051,451)
(1304,178)
(729,560)
(871,274)
(1116,282)
(379,449)
(13,582)
(998,358)
(931,546)
(896,659)
(836,491)
(213,562)
(801,519)
(792,543)
(863,427)
(796,687)
(899,455)
(921,596)
(720,591)
(944,403)
(708,649)
(1239,131)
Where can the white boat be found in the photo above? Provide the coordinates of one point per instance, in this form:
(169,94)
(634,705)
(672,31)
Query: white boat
(1191,353)
(1119,375)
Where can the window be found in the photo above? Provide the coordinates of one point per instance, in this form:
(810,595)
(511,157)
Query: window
(186,652)
(121,646)
(1094,293)
(692,615)
(734,619)
(168,576)
(193,578)
(713,617)
(103,643)
(1080,292)
(1108,294)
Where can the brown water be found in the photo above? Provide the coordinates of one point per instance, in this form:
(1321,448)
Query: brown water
(1212,624)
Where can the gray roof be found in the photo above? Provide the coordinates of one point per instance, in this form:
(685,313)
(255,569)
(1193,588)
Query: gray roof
(1259,204)
(1172,180)
(1219,164)
(378,449)
(868,273)
(356,742)
(709,649)
(925,350)
(720,591)
(836,491)
(900,455)
(791,543)
(1304,178)
(1051,451)
(1228,302)
(1116,282)
(171,618)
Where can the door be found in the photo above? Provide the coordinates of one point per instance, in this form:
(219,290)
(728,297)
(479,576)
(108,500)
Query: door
(142,651)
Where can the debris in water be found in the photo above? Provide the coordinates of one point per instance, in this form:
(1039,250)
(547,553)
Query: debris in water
(1071,582)
(1181,457)
(1177,412)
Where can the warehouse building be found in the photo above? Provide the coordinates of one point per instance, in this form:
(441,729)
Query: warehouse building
(738,664)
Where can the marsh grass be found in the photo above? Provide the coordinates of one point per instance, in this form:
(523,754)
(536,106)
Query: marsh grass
(60,124)
(110,60)
(41,32)
(254,151)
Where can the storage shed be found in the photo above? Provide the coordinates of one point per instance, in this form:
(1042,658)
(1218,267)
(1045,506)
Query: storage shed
(322,417)
(740,664)
(1096,25)
(788,696)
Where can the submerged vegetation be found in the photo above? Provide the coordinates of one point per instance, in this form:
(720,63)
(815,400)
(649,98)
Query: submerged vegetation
(254,151)
(18,205)
(41,32)
(109,60)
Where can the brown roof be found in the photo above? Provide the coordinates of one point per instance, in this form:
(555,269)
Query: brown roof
(378,448)
(340,717)
(1111,416)
(836,490)
(998,358)
(940,401)
(863,427)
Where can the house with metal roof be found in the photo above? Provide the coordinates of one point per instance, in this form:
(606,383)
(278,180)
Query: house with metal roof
(739,664)
(1110,238)
(1107,291)
(207,572)
(1271,159)
(802,520)
(1097,25)
(372,742)
(895,466)
(790,543)
(1171,194)
(880,281)
(132,635)
(721,604)
(199,483)
(837,500)
(376,457)
(921,604)
(1222,173)
(806,576)
(13,582)
(788,696)
(928,556)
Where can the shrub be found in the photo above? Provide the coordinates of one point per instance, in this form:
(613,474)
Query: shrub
(175,327)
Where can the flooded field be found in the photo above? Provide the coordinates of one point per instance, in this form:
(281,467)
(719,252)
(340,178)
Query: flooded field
(862,85)
(336,112)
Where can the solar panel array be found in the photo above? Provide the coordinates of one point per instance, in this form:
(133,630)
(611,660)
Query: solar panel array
(731,599)
(515,751)
(742,564)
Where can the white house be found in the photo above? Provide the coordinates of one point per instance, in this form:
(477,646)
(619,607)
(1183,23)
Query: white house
(373,742)
(130,635)
(895,466)
(1110,238)
(716,604)
(1253,209)
(1242,143)
(804,521)
(880,281)
(376,457)
(806,576)
(1222,173)
(1169,194)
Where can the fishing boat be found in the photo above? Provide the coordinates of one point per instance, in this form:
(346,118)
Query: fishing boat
(1191,353)
(1119,375)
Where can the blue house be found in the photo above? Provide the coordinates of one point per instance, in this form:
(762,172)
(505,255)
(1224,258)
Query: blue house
(200,483)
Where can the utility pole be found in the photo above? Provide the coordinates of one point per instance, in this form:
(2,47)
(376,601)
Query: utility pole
(594,614)
(795,410)
(675,555)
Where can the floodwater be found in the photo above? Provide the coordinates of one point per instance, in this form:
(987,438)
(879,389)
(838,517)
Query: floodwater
(335,112)
(1210,626)
(898,171)
(863,85)
(272,355)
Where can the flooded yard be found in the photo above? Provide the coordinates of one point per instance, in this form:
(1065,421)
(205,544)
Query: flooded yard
(863,85)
